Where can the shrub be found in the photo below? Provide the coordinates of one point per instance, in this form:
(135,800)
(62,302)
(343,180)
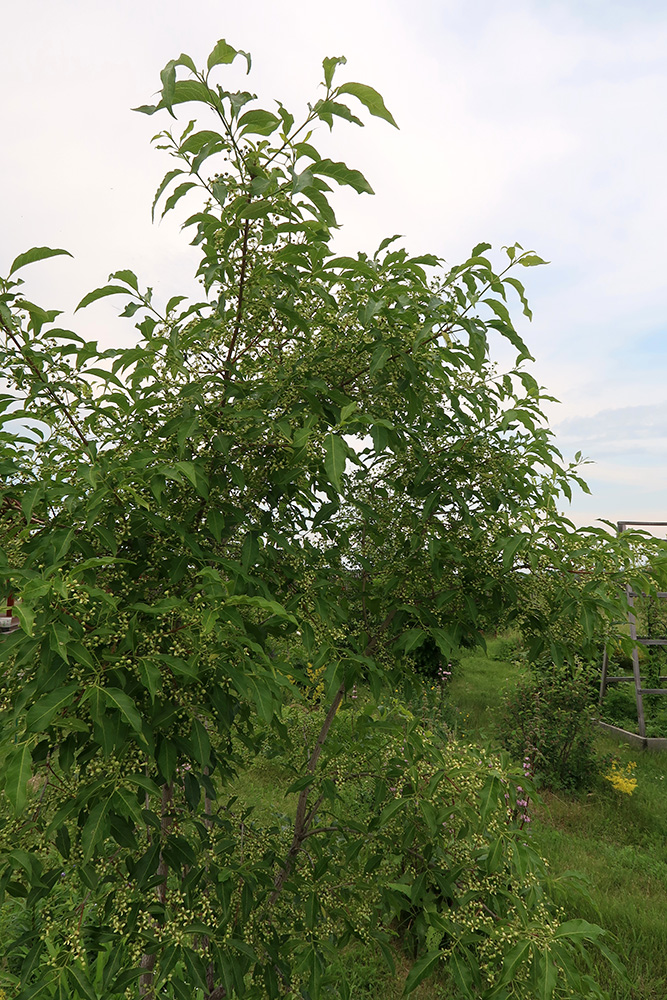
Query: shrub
(506,648)
(428,660)
(446,869)
(619,707)
(550,717)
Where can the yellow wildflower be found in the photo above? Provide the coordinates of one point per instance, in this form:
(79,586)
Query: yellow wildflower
(623,779)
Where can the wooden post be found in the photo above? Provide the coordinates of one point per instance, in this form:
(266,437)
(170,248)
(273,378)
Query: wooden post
(603,681)
(639,692)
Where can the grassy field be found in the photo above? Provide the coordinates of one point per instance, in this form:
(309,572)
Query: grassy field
(617,841)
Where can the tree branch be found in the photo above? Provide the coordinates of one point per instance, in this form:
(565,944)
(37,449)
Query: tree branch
(302,820)
(40,375)
(239,308)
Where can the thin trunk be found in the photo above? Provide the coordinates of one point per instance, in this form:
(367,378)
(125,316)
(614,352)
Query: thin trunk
(146,989)
(303,819)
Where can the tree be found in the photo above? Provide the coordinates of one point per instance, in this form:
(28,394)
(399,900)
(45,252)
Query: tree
(189,523)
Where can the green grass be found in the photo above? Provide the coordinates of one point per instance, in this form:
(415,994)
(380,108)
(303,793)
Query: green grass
(478,686)
(617,841)
(262,789)
(370,979)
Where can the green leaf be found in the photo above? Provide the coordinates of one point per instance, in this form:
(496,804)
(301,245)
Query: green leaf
(370,99)
(461,973)
(496,855)
(381,355)
(489,796)
(255,210)
(243,600)
(224,54)
(36,253)
(124,979)
(79,653)
(499,308)
(195,476)
(125,804)
(215,521)
(615,962)
(305,781)
(192,790)
(335,456)
(31,962)
(411,639)
(521,292)
(510,547)
(143,781)
(82,983)
(149,675)
(264,701)
(100,293)
(129,277)
(127,708)
(547,976)
(26,617)
(343,175)
(196,142)
(201,744)
(176,196)
(324,513)
(168,78)
(420,970)
(95,829)
(44,711)
(353,265)
(531,260)
(329,64)
(258,122)
(578,928)
(58,640)
(17,774)
(183,91)
(513,960)
(63,991)
(166,180)
(389,811)
(167,759)
(185,60)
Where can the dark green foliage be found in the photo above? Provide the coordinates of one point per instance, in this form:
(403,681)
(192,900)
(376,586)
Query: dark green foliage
(506,648)
(550,719)
(651,615)
(619,708)
(429,662)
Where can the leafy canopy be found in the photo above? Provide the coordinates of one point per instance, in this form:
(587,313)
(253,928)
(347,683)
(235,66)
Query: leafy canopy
(302,476)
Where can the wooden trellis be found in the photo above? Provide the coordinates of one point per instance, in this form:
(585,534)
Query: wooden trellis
(637,642)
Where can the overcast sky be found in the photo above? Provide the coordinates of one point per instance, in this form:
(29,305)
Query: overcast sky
(537,121)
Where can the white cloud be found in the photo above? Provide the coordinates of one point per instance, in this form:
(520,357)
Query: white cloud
(531,120)
(623,426)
